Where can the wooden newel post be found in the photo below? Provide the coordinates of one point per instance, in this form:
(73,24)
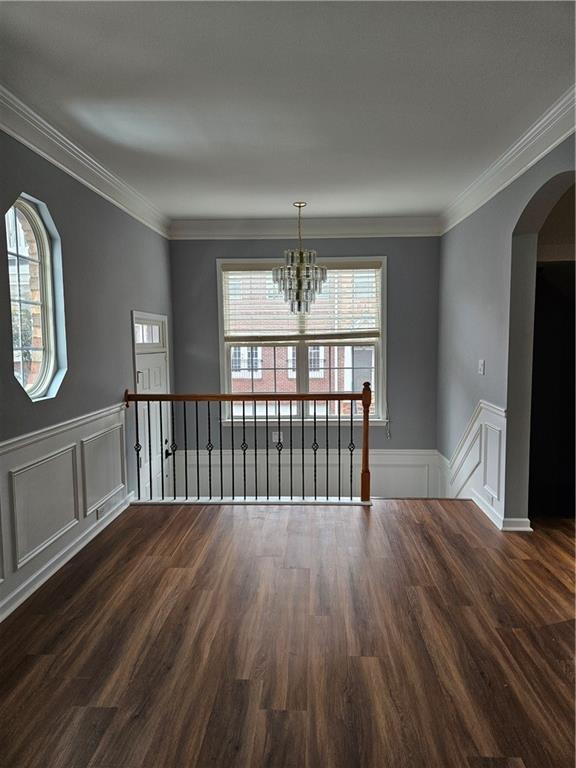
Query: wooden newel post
(365,476)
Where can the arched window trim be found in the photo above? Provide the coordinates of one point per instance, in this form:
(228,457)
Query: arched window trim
(30,210)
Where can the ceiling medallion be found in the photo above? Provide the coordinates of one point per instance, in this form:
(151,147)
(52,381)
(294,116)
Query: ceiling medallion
(300,279)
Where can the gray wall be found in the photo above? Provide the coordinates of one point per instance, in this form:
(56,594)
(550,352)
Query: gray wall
(474,300)
(111,265)
(412,314)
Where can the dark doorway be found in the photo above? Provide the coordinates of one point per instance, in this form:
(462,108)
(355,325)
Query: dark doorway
(551,489)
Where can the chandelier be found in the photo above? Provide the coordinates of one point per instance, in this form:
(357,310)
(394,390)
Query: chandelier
(300,279)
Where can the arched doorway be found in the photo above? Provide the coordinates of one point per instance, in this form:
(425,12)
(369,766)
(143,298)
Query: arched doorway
(521,337)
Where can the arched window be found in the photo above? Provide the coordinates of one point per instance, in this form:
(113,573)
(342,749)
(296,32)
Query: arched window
(30,268)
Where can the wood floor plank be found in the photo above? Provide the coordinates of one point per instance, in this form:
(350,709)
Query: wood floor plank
(409,635)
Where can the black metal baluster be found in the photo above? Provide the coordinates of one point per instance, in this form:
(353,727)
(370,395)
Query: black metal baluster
(351,445)
(267,466)
(255,453)
(209,448)
(327,450)
(184,405)
(302,448)
(232,447)
(137,448)
(279,447)
(197,453)
(291,457)
(173,449)
(339,451)
(150,450)
(244,446)
(161,447)
(315,449)
(220,438)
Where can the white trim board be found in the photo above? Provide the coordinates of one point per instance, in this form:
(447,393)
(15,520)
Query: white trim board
(25,590)
(58,486)
(478,466)
(325,228)
(27,126)
(394,474)
(14,443)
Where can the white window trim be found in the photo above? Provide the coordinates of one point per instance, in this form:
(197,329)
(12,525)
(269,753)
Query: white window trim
(49,362)
(380,362)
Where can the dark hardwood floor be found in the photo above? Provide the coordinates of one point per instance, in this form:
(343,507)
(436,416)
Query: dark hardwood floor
(414,635)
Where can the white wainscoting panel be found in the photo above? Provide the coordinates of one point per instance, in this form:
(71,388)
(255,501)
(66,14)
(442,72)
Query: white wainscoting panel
(477,469)
(58,488)
(44,502)
(103,463)
(394,474)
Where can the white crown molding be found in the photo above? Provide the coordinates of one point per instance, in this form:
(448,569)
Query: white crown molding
(279,229)
(555,125)
(21,122)
(25,125)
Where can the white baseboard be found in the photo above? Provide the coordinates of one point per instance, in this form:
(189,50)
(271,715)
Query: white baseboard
(58,487)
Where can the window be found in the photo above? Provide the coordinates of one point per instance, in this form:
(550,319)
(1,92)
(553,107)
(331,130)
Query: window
(246,362)
(316,361)
(148,332)
(35,299)
(336,348)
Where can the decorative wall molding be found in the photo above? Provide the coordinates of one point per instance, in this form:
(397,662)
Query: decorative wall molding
(21,441)
(395,474)
(326,228)
(44,502)
(58,487)
(26,125)
(477,468)
(556,124)
(103,449)
(34,582)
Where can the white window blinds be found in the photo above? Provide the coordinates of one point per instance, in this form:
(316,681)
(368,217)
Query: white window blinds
(348,307)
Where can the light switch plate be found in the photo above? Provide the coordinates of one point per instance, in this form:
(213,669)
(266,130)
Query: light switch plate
(481,367)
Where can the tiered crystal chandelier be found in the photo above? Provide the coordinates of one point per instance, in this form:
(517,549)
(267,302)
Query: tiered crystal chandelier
(300,279)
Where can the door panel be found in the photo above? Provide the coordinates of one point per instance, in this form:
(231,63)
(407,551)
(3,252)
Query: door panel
(152,379)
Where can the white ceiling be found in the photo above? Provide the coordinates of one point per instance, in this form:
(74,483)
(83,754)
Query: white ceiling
(216,109)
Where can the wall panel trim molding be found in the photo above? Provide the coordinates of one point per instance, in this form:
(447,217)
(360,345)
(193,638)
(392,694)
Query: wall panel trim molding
(34,582)
(58,487)
(477,468)
(19,476)
(396,473)
(116,429)
(21,441)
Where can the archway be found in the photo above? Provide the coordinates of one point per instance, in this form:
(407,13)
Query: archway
(520,343)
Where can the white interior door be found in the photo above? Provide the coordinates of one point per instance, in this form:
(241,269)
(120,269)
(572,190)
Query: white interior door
(152,378)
